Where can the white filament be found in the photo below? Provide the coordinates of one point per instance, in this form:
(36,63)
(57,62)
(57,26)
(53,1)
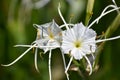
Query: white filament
(49,64)
(19,56)
(69,64)
(62,17)
(89,65)
(35,59)
(109,39)
(35,46)
(107,12)
(63,57)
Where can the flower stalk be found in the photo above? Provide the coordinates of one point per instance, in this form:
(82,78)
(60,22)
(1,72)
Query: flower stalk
(89,11)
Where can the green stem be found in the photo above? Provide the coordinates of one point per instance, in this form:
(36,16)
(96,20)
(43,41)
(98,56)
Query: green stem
(76,63)
(113,27)
(89,11)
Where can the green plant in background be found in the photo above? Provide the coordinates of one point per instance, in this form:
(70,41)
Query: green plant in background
(78,41)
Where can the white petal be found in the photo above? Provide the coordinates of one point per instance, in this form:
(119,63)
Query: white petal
(88,49)
(76,53)
(79,30)
(69,35)
(89,33)
(90,40)
(88,46)
(66,48)
(55,28)
(51,43)
(83,32)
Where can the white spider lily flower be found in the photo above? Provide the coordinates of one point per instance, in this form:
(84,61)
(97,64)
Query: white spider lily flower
(71,43)
(48,37)
(51,35)
(78,42)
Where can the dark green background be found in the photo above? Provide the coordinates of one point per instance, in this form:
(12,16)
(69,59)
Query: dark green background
(18,29)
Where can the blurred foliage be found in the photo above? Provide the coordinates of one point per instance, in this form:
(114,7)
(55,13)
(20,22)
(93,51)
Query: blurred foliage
(16,27)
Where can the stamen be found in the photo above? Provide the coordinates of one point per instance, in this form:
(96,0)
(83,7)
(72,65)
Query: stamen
(19,56)
(103,40)
(36,66)
(63,57)
(36,26)
(66,24)
(114,2)
(109,39)
(102,16)
(50,53)
(68,65)
(109,6)
(115,5)
(62,17)
(35,46)
(89,65)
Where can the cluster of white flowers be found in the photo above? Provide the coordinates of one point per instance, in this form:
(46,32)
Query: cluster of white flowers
(77,40)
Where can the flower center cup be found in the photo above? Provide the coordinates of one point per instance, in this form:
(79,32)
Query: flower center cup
(51,35)
(77,44)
